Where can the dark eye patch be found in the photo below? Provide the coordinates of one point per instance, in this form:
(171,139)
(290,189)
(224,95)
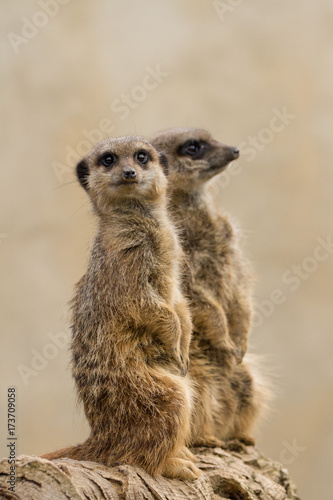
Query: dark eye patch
(193,149)
(108,160)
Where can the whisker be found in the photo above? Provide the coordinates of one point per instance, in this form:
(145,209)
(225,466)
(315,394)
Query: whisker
(63,185)
(76,211)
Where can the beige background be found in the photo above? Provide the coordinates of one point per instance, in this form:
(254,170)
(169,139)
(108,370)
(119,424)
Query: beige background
(227,73)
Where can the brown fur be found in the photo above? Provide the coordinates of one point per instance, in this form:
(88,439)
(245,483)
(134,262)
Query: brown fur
(217,284)
(131,325)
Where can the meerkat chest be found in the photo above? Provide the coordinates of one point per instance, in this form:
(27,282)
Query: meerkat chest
(208,245)
(205,235)
(164,269)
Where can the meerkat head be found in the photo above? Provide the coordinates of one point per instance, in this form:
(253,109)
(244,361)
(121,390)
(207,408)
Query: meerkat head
(194,157)
(122,169)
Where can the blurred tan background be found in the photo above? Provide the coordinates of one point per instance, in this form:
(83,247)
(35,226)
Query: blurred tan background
(258,74)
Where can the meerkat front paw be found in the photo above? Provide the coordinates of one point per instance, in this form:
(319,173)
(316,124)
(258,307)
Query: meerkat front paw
(240,347)
(232,350)
(243,348)
(209,442)
(180,359)
(239,354)
(185,364)
(181,362)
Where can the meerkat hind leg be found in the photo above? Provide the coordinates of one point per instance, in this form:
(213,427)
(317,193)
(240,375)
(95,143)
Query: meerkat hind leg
(187,454)
(246,439)
(209,442)
(179,468)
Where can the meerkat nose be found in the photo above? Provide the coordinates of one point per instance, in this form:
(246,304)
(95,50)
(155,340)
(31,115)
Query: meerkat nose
(235,152)
(129,173)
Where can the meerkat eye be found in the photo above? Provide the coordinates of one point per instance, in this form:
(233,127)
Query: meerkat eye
(142,157)
(108,160)
(194,149)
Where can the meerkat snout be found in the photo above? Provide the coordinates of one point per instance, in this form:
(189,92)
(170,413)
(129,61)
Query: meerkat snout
(225,155)
(129,173)
(221,155)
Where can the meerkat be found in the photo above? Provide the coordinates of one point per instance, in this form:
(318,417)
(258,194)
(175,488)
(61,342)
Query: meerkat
(217,283)
(131,326)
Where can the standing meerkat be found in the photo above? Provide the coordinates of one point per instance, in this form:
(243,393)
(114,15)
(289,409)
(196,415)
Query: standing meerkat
(131,326)
(217,284)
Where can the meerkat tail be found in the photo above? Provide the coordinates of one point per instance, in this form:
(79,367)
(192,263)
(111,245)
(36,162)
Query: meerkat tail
(264,389)
(73,452)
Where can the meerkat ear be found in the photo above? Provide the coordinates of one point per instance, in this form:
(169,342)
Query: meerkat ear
(82,172)
(164,163)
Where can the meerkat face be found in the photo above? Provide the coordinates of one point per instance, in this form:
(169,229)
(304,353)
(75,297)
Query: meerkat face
(194,156)
(120,169)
